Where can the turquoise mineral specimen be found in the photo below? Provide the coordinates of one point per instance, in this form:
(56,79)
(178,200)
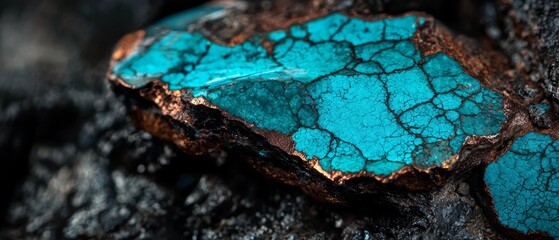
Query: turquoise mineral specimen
(355,95)
(524,184)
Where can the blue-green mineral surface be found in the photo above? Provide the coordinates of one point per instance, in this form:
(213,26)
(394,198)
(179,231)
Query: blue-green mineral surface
(357,95)
(524,184)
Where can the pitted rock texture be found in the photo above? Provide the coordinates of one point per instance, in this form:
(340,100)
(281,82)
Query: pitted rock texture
(529,36)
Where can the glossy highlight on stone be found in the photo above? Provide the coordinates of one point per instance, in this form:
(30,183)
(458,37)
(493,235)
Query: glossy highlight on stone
(524,185)
(355,95)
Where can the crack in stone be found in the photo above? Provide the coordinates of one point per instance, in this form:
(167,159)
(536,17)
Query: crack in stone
(354,93)
(524,184)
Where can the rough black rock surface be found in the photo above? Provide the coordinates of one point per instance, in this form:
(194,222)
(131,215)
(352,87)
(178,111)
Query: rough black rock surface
(72,165)
(529,34)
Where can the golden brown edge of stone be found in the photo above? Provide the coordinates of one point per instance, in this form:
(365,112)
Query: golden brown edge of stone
(425,39)
(521,126)
(408,177)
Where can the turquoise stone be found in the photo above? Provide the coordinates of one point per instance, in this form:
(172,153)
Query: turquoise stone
(524,184)
(356,95)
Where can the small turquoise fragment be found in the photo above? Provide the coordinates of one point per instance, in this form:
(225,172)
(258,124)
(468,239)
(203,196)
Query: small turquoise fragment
(524,184)
(298,31)
(277,35)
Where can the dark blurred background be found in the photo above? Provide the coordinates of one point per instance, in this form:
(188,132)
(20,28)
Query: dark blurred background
(53,57)
(64,42)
